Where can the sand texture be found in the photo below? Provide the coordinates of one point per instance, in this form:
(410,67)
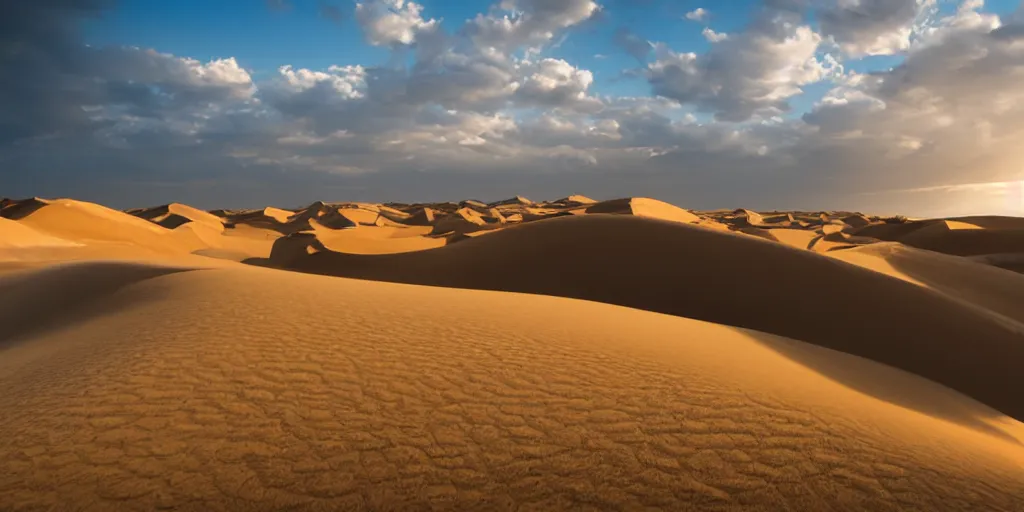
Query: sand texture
(514,355)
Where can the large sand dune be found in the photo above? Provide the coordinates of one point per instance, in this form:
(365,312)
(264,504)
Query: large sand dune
(705,274)
(722,360)
(250,389)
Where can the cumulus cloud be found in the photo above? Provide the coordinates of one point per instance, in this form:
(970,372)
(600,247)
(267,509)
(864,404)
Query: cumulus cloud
(53,84)
(712,36)
(516,23)
(480,113)
(555,83)
(698,14)
(392,22)
(753,73)
(952,106)
(873,27)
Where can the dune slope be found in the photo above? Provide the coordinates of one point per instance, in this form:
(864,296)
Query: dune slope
(970,282)
(14,235)
(183,391)
(725,278)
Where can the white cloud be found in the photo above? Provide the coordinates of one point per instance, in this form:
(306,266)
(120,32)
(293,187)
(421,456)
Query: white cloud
(714,37)
(392,22)
(873,27)
(966,18)
(347,81)
(554,83)
(698,14)
(751,73)
(515,23)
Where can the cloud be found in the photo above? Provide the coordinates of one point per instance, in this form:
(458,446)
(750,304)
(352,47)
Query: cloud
(54,84)
(476,115)
(516,23)
(555,83)
(392,22)
(633,44)
(751,73)
(698,14)
(873,27)
(714,37)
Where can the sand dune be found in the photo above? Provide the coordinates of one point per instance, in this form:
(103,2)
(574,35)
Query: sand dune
(170,389)
(376,240)
(1013,261)
(971,283)
(966,242)
(16,235)
(145,367)
(797,238)
(87,222)
(735,280)
(964,236)
(175,214)
(644,207)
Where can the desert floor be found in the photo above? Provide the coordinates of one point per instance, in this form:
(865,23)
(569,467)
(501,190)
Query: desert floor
(564,355)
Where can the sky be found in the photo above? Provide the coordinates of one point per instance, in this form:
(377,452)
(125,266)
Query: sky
(882,106)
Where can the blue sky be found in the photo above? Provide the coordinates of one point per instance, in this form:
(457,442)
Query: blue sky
(549,104)
(263,38)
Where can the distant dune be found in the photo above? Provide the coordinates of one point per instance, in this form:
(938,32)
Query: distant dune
(719,360)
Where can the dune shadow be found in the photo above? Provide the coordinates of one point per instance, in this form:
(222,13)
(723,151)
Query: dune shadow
(33,302)
(258,262)
(886,383)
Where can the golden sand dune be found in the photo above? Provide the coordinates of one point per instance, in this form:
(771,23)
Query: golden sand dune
(969,282)
(175,214)
(87,222)
(967,242)
(375,240)
(92,231)
(721,277)
(153,388)
(966,236)
(992,221)
(180,379)
(16,235)
(797,238)
(644,207)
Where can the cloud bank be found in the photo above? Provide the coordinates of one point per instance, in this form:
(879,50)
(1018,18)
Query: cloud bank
(483,110)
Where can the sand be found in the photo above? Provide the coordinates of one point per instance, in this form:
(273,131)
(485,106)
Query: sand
(689,271)
(16,235)
(644,207)
(635,358)
(171,388)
